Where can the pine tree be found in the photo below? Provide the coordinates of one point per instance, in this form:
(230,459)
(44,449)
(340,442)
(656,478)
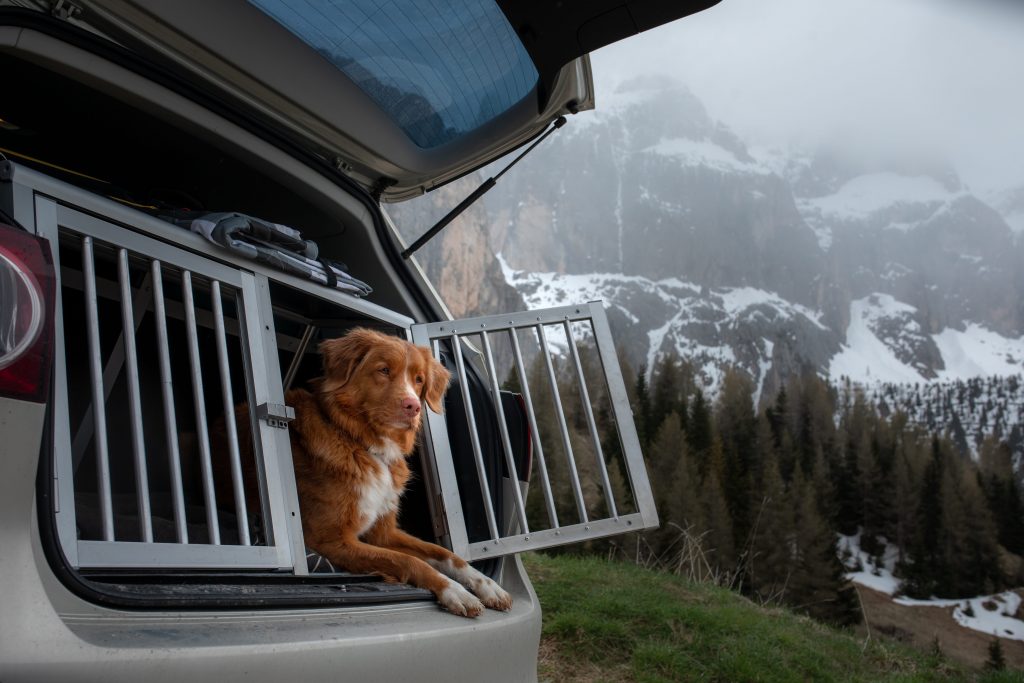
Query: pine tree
(736,426)
(771,560)
(699,434)
(642,409)
(925,564)
(818,585)
(996,661)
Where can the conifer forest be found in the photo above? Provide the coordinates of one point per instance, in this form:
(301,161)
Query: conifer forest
(760,499)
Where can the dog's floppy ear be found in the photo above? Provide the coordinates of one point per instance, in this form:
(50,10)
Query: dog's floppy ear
(436,384)
(342,356)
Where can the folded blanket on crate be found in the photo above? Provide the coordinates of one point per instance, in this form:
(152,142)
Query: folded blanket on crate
(274,244)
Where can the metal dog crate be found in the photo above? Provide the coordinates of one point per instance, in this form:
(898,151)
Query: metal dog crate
(165,337)
(634,512)
(167,340)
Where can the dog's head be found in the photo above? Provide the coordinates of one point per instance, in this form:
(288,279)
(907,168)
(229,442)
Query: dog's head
(383,380)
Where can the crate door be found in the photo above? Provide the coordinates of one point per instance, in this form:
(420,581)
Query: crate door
(588,478)
(155,346)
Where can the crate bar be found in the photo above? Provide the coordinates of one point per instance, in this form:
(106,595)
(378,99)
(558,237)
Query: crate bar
(506,442)
(167,386)
(63,470)
(538,450)
(577,490)
(619,398)
(229,412)
(202,430)
(474,438)
(300,352)
(588,410)
(128,322)
(547,538)
(116,359)
(96,372)
(125,555)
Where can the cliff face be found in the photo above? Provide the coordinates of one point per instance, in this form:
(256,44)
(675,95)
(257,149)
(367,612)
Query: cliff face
(460,261)
(654,187)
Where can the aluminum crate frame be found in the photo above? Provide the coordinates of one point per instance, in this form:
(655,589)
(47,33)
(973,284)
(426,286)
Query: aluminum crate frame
(46,206)
(520,537)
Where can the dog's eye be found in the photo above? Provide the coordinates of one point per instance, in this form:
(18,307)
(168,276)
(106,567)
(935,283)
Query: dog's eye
(385,371)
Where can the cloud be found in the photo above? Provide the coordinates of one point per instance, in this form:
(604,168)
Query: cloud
(936,75)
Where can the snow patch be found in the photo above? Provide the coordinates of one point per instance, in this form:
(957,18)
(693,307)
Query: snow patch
(978,352)
(866,194)
(866,359)
(706,153)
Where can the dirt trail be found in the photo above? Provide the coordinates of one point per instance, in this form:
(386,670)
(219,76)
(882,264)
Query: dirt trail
(922,625)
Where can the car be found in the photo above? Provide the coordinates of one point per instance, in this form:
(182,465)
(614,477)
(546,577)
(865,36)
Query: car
(179,186)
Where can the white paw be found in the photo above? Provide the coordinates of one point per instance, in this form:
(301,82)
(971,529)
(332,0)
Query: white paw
(458,600)
(490,593)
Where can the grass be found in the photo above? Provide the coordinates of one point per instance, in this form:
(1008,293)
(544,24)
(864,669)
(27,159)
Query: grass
(611,621)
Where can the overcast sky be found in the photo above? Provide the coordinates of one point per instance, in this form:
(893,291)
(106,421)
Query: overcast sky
(946,76)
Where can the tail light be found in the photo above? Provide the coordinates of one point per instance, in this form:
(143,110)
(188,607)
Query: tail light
(27,293)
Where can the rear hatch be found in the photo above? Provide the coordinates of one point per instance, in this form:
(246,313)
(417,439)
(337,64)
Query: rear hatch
(401,95)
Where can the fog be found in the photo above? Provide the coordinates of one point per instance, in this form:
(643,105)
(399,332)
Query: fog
(942,78)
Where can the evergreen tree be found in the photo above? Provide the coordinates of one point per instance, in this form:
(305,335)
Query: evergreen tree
(925,564)
(771,561)
(996,661)
(642,408)
(818,585)
(736,427)
(699,434)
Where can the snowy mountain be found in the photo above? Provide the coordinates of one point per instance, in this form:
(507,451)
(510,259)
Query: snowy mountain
(776,261)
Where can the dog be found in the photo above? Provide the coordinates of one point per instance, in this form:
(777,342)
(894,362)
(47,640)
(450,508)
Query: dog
(353,429)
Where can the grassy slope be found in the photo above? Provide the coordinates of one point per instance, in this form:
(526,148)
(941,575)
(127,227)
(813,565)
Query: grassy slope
(616,622)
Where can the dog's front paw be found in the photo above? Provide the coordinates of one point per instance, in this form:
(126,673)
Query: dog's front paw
(490,593)
(458,600)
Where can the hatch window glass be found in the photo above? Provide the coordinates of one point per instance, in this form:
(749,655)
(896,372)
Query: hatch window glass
(439,68)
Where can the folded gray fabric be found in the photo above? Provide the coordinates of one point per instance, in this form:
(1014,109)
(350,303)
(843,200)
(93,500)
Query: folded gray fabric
(273,244)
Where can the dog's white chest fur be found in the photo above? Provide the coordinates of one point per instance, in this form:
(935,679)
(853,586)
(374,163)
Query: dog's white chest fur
(378,496)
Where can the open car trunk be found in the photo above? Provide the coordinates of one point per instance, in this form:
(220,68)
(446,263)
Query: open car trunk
(148,496)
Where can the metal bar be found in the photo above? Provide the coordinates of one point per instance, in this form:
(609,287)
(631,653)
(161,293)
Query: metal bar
(283,522)
(230,427)
(531,416)
(170,419)
(439,471)
(63,466)
(589,412)
(134,397)
(474,438)
(96,372)
(114,362)
(510,461)
(293,367)
(619,398)
(197,259)
(547,538)
(123,555)
(198,394)
(574,476)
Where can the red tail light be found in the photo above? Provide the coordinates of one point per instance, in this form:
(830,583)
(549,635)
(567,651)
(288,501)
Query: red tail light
(27,293)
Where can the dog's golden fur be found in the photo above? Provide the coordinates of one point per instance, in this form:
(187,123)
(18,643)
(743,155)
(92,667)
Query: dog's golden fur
(352,431)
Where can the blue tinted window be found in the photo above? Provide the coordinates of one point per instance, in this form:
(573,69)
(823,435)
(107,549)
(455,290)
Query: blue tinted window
(439,68)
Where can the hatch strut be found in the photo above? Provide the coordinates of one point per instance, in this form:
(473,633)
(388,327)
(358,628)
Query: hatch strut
(477,193)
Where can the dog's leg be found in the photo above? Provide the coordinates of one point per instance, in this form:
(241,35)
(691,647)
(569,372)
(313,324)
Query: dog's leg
(358,557)
(443,560)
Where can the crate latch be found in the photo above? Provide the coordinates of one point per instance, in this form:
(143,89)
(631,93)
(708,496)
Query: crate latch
(276,414)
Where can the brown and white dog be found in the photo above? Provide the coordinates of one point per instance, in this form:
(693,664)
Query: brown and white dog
(350,437)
